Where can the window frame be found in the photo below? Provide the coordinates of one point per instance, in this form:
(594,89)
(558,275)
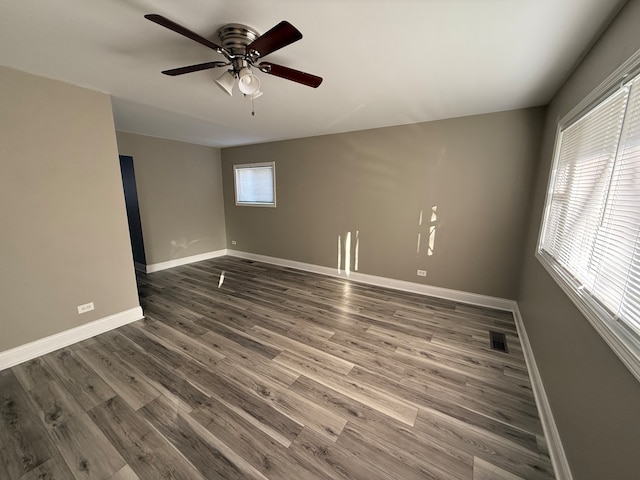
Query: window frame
(621,339)
(244,166)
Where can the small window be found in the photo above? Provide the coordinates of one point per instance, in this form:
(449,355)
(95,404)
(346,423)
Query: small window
(590,235)
(255,184)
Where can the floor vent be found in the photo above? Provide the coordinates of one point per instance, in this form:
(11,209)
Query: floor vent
(498,341)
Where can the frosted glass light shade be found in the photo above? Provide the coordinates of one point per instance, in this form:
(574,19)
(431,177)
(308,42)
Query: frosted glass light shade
(248,83)
(226,82)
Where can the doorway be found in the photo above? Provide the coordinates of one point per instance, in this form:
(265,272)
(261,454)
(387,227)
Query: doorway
(133,212)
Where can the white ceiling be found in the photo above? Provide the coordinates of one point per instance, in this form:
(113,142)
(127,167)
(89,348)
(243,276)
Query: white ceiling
(384,62)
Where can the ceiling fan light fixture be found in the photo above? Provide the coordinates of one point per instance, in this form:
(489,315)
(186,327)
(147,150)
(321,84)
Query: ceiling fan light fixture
(226,82)
(257,94)
(248,83)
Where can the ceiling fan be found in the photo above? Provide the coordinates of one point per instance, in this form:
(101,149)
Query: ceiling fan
(243,49)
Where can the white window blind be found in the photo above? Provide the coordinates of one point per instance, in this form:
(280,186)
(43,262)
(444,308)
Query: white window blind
(591,231)
(255,184)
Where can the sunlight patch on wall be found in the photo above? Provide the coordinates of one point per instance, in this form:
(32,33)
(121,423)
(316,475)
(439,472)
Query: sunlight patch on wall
(349,248)
(339,253)
(429,229)
(357,252)
(432,230)
(347,254)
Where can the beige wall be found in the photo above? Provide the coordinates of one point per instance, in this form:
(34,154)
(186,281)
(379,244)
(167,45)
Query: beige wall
(594,398)
(64,239)
(476,170)
(180,196)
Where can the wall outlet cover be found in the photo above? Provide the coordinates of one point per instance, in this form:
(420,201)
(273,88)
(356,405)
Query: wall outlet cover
(87,307)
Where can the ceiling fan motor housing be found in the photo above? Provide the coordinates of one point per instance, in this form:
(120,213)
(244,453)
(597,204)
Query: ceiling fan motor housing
(234,37)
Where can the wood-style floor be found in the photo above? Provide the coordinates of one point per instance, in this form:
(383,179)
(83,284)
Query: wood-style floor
(273,373)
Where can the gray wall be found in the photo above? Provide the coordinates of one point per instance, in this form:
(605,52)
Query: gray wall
(64,239)
(477,170)
(594,398)
(180,196)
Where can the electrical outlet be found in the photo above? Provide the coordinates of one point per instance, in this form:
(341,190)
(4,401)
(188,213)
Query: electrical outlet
(87,307)
(233,242)
(422,273)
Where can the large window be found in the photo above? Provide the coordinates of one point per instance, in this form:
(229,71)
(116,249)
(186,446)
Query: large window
(590,236)
(255,184)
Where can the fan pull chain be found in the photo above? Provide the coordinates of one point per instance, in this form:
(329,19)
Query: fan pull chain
(253,110)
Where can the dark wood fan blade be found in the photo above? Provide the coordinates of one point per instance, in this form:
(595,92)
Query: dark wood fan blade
(171,25)
(193,68)
(290,74)
(281,35)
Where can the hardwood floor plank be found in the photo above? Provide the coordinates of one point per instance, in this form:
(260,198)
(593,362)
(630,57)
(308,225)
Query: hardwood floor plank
(352,349)
(34,374)
(326,359)
(333,460)
(269,371)
(486,471)
(412,446)
(176,340)
(510,457)
(456,404)
(85,449)
(129,384)
(24,442)
(281,427)
(114,341)
(148,454)
(247,340)
(53,469)
(168,356)
(298,408)
(243,319)
(232,350)
(162,377)
(258,448)
(314,330)
(477,419)
(125,473)
(203,450)
(170,314)
(384,457)
(84,384)
(383,402)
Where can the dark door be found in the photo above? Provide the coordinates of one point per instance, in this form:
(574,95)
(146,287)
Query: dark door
(133,211)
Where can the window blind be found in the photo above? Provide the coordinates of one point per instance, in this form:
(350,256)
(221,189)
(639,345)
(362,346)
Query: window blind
(591,231)
(254,184)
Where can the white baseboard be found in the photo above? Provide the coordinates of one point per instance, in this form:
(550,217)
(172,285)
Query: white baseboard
(34,349)
(156,267)
(556,451)
(445,293)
